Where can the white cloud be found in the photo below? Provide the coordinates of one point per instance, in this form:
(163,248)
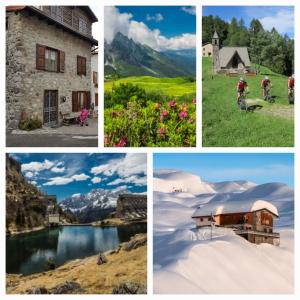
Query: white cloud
(29,174)
(115,22)
(76,195)
(132,179)
(80,177)
(57,169)
(283,21)
(131,164)
(36,166)
(59,181)
(189,10)
(157,17)
(33,182)
(96,180)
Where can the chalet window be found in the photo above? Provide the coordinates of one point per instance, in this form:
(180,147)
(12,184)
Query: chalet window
(82,25)
(95,78)
(49,59)
(81,65)
(56,12)
(201,219)
(80,99)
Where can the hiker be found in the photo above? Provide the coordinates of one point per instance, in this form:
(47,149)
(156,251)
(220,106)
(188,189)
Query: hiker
(83,116)
(291,83)
(241,87)
(265,83)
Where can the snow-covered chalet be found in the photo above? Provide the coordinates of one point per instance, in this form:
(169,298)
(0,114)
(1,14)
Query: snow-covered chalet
(252,219)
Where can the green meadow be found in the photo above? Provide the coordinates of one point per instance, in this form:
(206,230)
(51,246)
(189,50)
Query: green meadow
(224,125)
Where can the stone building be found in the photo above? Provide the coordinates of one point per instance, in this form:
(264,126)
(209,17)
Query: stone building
(132,207)
(207,50)
(229,59)
(94,83)
(252,219)
(48,62)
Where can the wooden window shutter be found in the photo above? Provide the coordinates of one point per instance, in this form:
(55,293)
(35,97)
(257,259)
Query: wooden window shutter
(75,102)
(78,65)
(88,100)
(84,66)
(61,67)
(40,57)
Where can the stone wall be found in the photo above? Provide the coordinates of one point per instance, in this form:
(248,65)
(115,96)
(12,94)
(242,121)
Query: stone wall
(25,84)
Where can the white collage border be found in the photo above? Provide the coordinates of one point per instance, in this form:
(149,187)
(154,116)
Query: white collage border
(149,151)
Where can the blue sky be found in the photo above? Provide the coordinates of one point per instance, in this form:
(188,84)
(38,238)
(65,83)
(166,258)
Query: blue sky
(71,173)
(215,167)
(160,27)
(280,17)
(170,20)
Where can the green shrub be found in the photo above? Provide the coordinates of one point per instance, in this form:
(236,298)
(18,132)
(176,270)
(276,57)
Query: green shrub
(162,124)
(29,124)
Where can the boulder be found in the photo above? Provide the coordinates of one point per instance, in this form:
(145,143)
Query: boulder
(68,287)
(101,259)
(37,290)
(135,242)
(130,288)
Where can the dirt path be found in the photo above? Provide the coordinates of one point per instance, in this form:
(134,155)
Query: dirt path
(281,111)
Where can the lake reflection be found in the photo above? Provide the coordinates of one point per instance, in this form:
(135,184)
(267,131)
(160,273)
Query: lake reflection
(27,254)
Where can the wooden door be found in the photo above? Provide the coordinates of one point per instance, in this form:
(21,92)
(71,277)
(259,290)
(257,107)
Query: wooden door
(50,107)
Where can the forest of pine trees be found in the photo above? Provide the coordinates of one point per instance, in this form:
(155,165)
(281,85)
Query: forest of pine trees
(267,48)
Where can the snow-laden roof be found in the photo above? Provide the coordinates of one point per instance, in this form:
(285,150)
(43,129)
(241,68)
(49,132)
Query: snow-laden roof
(235,207)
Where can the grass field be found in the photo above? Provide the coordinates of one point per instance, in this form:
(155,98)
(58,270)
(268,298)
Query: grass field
(224,125)
(166,86)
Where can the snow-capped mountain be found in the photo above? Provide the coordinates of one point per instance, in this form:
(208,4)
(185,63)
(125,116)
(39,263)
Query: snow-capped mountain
(96,204)
(185,261)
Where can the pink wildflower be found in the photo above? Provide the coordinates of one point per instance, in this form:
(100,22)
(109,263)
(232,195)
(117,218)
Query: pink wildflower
(122,142)
(172,103)
(194,101)
(164,114)
(182,114)
(161,131)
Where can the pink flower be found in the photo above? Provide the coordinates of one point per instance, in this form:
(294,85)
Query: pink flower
(172,103)
(122,142)
(157,106)
(161,131)
(194,101)
(164,114)
(182,114)
(106,140)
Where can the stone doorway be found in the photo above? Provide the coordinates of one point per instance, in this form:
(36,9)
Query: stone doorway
(50,107)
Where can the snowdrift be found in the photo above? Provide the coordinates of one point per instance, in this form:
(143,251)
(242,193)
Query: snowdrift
(187,261)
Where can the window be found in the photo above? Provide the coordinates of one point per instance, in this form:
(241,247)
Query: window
(49,59)
(81,65)
(201,219)
(56,12)
(80,99)
(95,78)
(82,25)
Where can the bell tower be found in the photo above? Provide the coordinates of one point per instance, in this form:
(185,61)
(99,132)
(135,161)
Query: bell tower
(216,58)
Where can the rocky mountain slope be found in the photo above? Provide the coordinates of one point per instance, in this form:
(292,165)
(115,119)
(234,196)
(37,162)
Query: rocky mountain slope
(25,206)
(125,57)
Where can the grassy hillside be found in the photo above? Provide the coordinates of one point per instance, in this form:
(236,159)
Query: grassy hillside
(166,86)
(224,125)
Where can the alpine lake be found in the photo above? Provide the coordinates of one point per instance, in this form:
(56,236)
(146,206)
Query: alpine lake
(27,254)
